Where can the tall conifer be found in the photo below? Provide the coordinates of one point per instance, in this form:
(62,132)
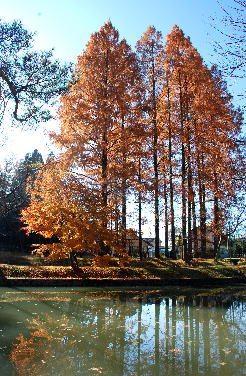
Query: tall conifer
(98,117)
(148,49)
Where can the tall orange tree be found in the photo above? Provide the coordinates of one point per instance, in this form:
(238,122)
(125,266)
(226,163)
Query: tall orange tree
(170,129)
(205,126)
(98,117)
(181,64)
(148,49)
(224,126)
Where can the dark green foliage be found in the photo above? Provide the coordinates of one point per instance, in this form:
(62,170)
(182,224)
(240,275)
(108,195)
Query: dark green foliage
(29,80)
(14,197)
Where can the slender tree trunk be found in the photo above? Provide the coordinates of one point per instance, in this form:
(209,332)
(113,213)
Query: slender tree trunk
(204,219)
(104,165)
(201,197)
(140,239)
(216,218)
(193,209)
(123,187)
(183,183)
(202,205)
(184,216)
(190,195)
(117,219)
(201,191)
(155,160)
(157,219)
(173,251)
(188,173)
(123,216)
(74,262)
(194,224)
(166,219)
(104,157)
(123,211)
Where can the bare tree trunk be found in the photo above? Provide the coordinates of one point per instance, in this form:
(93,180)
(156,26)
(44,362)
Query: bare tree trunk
(157,219)
(140,239)
(104,166)
(190,194)
(123,211)
(123,218)
(202,205)
(184,216)
(183,179)
(216,219)
(123,188)
(172,223)
(204,219)
(194,223)
(201,198)
(74,262)
(166,219)
(155,160)
(104,160)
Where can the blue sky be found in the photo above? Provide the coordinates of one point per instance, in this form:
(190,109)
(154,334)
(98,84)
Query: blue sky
(66,25)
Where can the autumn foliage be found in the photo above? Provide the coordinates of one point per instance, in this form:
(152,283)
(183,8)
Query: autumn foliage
(68,212)
(158,125)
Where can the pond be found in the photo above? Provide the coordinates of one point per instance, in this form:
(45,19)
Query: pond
(81,331)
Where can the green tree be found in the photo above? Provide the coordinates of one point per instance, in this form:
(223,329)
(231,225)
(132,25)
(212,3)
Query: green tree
(29,80)
(15,180)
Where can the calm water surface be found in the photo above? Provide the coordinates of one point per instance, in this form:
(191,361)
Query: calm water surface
(67,332)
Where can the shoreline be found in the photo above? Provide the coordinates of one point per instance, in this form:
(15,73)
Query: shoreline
(110,282)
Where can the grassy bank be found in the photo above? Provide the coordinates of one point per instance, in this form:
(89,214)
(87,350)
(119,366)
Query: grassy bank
(28,266)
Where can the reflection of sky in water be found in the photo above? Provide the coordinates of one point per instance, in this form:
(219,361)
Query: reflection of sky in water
(145,333)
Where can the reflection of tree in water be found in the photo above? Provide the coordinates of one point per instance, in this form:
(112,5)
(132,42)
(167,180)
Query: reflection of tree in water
(208,335)
(85,339)
(136,334)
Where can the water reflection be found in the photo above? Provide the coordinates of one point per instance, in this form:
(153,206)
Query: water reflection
(124,333)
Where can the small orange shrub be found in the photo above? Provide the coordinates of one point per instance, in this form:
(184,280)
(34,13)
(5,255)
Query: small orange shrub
(101,261)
